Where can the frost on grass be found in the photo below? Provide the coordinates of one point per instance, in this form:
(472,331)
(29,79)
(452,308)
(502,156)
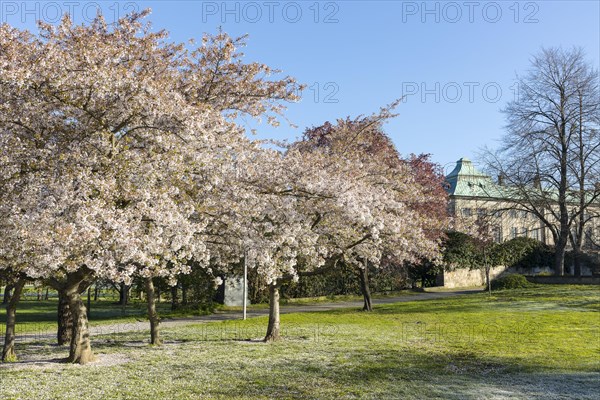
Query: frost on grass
(44,362)
(557,385)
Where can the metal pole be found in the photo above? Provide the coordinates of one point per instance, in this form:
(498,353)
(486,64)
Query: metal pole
(245,283)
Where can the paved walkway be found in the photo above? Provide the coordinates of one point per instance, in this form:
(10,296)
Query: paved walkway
(96,330)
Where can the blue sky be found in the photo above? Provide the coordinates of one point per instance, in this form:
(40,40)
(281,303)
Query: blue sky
(455,61)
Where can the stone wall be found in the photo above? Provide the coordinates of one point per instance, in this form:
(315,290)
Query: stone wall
(465,277)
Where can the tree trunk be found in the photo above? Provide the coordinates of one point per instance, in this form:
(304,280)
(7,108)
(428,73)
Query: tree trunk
(561,245)
(273,332)
(559,256)
(96,292)
(363,274)
(184,294)
(582,178)
(65,319)
(576,245)
(174,298)
(124,294)
(7,291)
(152,314)
(69,290)
(80,350)
(46,295)
(8,352)
(576,263)
(486,269)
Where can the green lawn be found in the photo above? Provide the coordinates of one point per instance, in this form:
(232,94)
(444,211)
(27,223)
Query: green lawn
(542,342)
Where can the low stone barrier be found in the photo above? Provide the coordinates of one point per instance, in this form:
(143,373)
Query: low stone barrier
(465,277)
(565,280)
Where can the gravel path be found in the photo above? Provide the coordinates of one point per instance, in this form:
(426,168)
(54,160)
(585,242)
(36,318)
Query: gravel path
(96,330)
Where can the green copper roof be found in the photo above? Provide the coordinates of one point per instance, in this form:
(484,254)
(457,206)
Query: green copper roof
(466,180)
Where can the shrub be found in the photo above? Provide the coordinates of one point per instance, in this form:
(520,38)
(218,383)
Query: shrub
(524,253)
(424,272)
(513,281)
(344,281)
(460,251)
(590,260)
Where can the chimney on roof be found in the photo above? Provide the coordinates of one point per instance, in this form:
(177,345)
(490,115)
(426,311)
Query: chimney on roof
(537,182)
(501,179)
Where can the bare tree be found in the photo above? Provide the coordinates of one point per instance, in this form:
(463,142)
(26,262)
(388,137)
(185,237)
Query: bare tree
(585,163)
(549,155)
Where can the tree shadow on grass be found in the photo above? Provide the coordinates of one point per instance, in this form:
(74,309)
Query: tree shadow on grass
(412,374)
(426,306)
(38,353)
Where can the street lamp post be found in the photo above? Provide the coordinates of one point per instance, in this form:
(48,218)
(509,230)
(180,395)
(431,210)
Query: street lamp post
(245,283)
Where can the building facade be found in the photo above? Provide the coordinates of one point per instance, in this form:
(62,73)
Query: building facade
(475,197)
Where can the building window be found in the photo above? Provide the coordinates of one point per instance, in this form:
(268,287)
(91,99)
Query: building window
(497,232)
(467,212)
(481,212)
(535,234)
(524,232)
(514,232)
(524,214)
(513,213)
